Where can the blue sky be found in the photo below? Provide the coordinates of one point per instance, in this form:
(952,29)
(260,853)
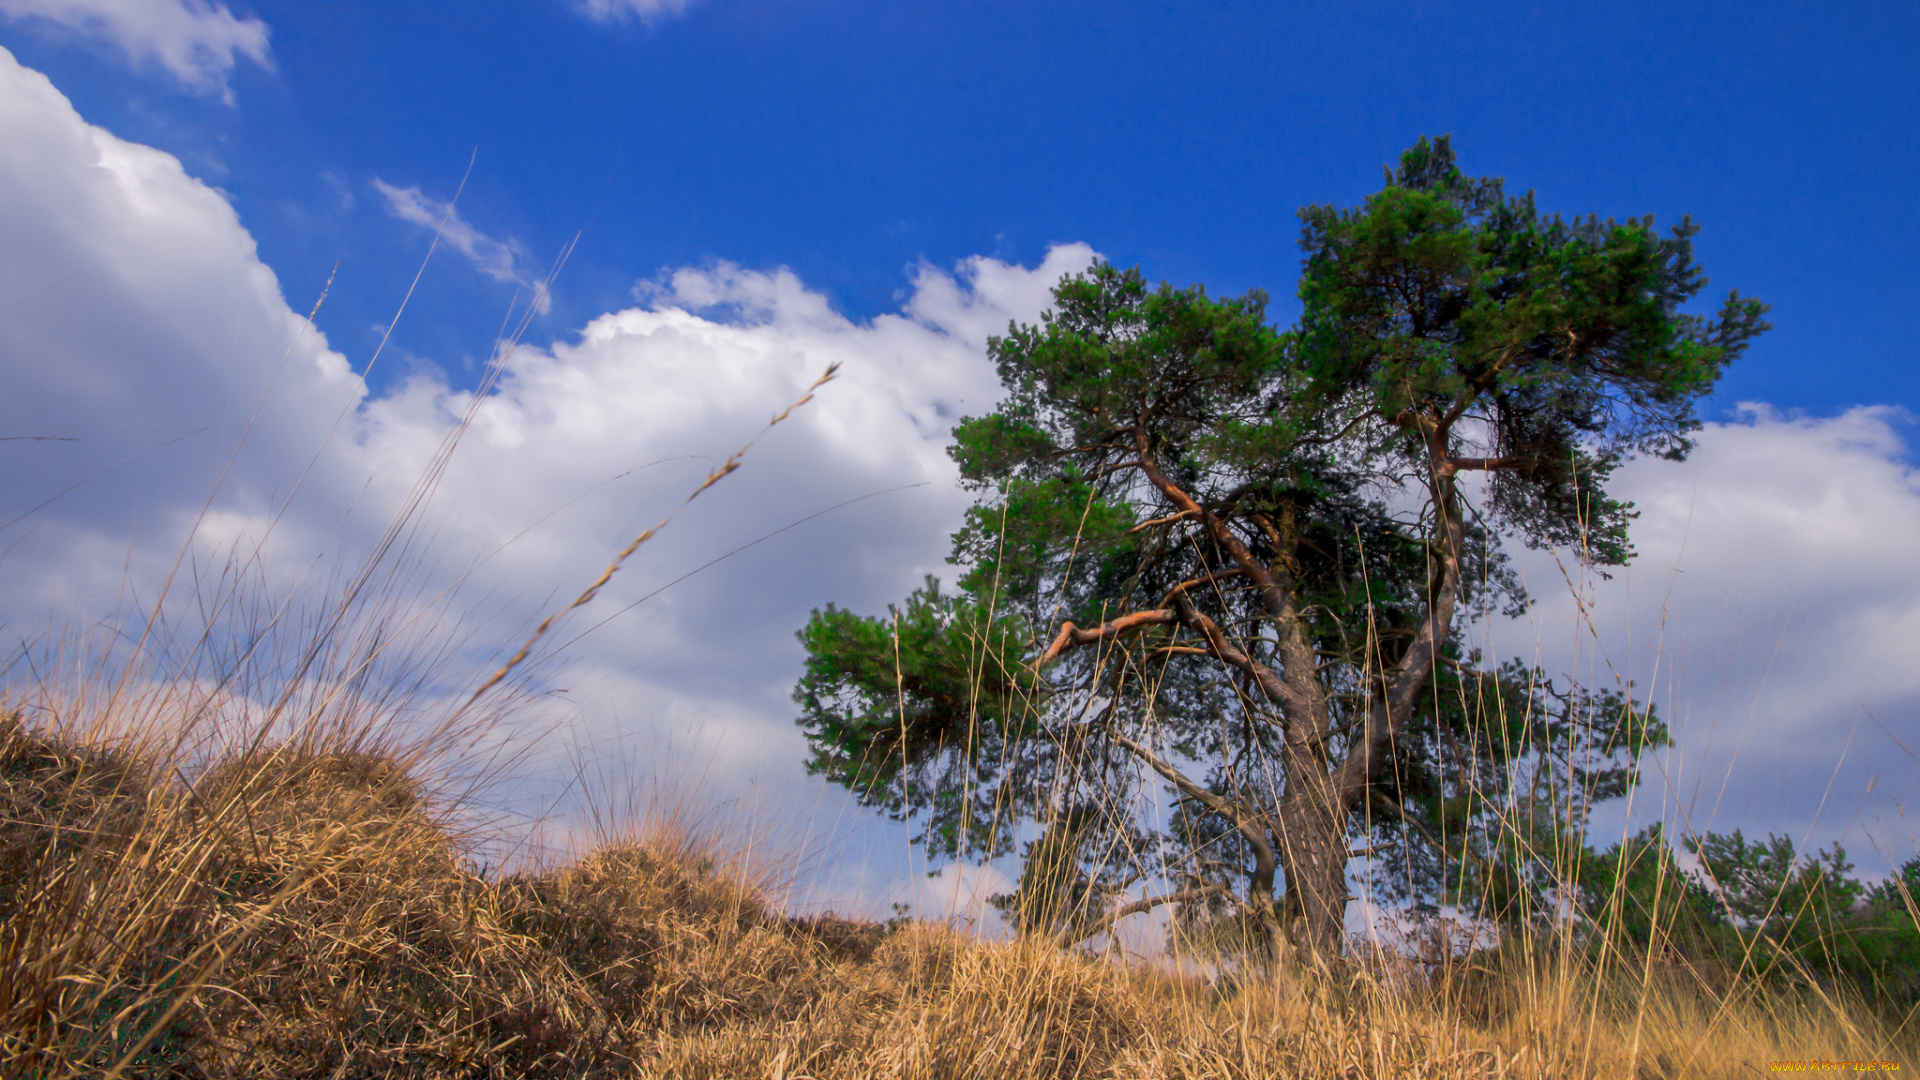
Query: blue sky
(762,187)
(849,140)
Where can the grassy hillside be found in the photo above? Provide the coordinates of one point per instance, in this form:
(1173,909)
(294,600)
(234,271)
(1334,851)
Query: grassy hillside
(307,910)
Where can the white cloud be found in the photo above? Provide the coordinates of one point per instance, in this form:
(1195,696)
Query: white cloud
(714,657)
(1779,554)
(165,324)
(1773,616)
(197,41)
(143,327)
(501,260)
(644,10)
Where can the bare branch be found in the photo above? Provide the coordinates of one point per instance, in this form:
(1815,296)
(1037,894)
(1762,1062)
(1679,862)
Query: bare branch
(1204,579)
(1487,464)
(1319,440)
(1181,650)
(1071,636)
(1168,520)
(1390,713)
(1275,687)
(1249,825)
(1299,695)
(1112,918)
(1464,671)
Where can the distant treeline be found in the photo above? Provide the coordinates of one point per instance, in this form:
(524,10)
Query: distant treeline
(1759,907)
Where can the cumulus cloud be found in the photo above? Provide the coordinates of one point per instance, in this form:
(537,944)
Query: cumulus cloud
(1773,617)
(683,381)
(142,331)
(1772,612)
(644,10)
(196,41)
(162,324)
(501,260)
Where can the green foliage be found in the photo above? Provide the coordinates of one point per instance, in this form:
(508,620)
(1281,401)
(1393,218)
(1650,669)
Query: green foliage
(1766,886)
(1260,540)
(1884,933)
(892,705)
(1802,914)
(1636,894)
(1563,342)
(1009,548)
(1487,803)
(1759,908)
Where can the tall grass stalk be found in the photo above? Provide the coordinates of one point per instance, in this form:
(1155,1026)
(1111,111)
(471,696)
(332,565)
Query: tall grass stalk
(246,847)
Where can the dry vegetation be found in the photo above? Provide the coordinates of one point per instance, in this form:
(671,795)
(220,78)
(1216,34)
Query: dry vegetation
(306,909)
(218,859)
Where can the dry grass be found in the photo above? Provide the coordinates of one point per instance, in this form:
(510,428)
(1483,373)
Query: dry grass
(252,872)
(299,910)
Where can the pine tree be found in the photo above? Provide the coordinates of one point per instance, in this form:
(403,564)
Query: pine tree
(1233,561)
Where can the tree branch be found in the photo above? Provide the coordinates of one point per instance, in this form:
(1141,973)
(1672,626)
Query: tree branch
(1466,672)
(1181,650)
(1274,686)
(1486,464)
(1390,713)
(1112,918)
(1071,636)
(1248,824)
(1168,520)
(1302,702)
(1204,579)
(1222,535)
(1321,440)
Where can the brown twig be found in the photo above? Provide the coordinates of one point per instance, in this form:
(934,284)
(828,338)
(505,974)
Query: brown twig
(1071,635)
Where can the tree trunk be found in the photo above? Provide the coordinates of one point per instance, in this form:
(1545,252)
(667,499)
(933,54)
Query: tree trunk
(1260,902)
(1312,851)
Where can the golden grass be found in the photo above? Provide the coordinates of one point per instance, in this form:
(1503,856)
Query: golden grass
(299,910)
(250,872)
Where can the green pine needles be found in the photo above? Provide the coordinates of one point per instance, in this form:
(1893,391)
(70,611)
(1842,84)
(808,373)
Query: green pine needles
(1211,594)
